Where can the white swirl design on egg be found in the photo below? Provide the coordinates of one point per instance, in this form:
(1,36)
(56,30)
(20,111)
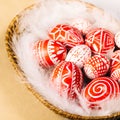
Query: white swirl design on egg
(101,89)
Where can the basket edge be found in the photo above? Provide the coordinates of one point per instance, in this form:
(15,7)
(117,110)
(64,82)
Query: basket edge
(13,59)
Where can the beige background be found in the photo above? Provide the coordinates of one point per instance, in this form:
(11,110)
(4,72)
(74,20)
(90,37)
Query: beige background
(16,102)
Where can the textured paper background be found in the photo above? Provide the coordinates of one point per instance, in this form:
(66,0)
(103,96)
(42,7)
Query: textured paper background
(16,102)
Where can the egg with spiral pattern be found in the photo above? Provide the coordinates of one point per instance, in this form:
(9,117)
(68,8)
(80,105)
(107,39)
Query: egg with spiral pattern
(100,90)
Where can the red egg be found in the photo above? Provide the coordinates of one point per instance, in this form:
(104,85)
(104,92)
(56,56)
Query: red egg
(49,52)
(115,65)
(96,66)
(100,40)
(66,79)
(70,36)
(99,90)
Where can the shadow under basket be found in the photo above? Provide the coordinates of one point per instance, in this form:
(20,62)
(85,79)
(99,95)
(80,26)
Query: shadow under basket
(14,29)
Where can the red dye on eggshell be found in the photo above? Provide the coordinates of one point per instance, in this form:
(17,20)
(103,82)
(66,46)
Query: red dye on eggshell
(100,40)
(49,52)
(100,90)
(96,66)
(66,79)
(70,36)
(115,65)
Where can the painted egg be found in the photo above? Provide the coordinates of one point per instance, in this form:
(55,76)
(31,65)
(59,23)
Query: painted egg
(99,90)
(96,66)
(49,52)
(100,40)
(115,65)
(79,55)
(117,39)
(66,79)
(70,36)
(82,24)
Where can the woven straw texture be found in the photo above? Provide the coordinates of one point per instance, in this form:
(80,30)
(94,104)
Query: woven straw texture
(14,28)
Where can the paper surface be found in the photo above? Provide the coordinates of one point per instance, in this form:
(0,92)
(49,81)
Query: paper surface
(16,102)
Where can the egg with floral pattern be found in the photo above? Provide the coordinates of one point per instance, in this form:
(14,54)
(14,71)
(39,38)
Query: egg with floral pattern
(69,35)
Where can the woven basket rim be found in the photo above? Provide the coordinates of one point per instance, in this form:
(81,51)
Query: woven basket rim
(13,59)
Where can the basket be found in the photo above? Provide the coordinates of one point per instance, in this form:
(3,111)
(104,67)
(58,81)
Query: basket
(14,28)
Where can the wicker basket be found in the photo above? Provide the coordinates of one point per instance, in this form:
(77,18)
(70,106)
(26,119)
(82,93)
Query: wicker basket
(14,28)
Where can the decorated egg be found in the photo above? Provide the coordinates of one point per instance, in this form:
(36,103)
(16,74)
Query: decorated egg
(117,39)
(70,36)
(82,24)
(79,55)
(115,65)
(96,66)
(99,90)
(100,40)
(49,52)
(66,78)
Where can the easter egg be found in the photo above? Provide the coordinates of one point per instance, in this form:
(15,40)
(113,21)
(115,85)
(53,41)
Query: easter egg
(100,40)
(67,78)
(49,52)
(79,55)
(96,66)
(70,36)
(115,65)
(99,90)
(82,24)
(117,39)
